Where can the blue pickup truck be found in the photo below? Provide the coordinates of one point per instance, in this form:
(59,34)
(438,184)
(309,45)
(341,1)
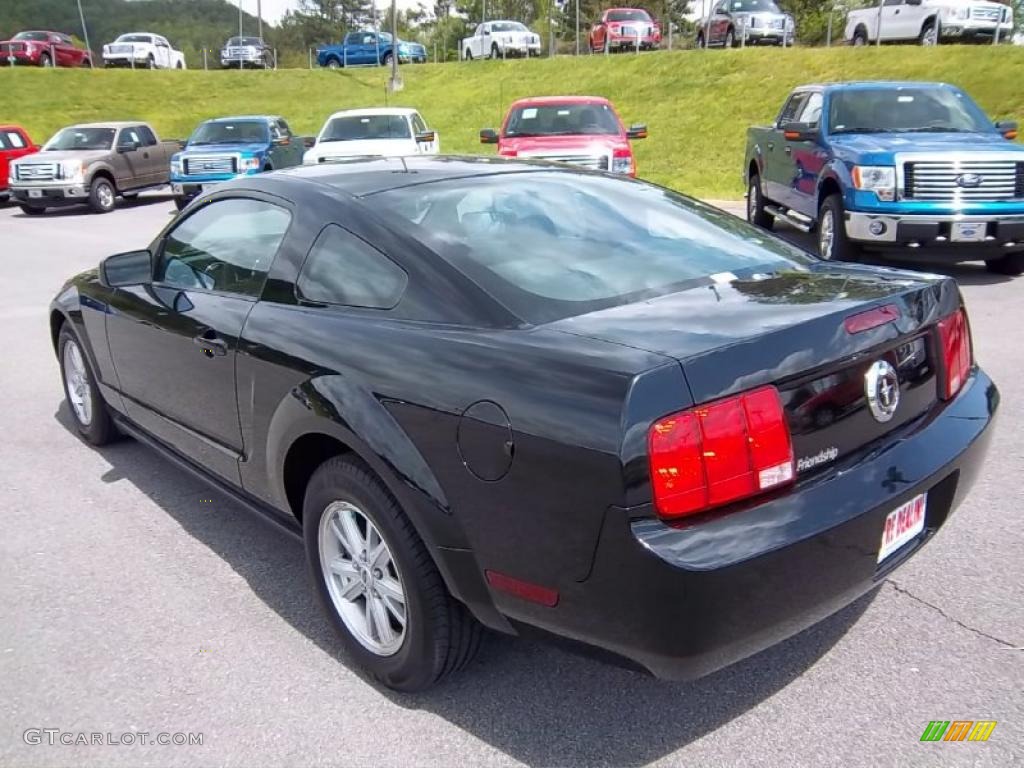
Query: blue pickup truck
(368,48)
(228,147)
(898,168)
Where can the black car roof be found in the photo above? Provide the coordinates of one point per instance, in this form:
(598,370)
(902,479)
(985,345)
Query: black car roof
(367,176)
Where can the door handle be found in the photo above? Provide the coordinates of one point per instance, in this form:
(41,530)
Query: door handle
(212,345)
(789,150)
(146,155)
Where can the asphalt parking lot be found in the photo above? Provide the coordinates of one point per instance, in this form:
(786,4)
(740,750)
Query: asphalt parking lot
(132,599)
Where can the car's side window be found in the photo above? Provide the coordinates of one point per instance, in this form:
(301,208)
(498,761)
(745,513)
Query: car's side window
(226,246)
(283,127)
(148,137)
(275,130)
(893,2)
(344,269)
(418,125)
(811,111)
(793,108)
(14,140)
(130,137)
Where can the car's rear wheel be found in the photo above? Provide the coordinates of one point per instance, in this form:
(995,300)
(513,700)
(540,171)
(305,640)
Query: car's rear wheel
(469,55)
(387,59)
(1010,264)
(833,244)
(150,63)
(89,412)
(860,38)
(377,582)
(730,39)
(756,214)
(495,53)
(32,210)
(45,60)
(929,33)
(102,195)
(333,64)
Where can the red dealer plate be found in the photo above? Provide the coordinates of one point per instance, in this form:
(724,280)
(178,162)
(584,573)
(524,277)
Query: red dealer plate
(902,525)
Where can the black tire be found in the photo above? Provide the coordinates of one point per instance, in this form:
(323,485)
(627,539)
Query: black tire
(150,63)
(441,636)
(1010,264)
(100,428)
(495,54)
(840,247)
(469,55)
(860,37)
(730,39)
(756,214)
(386,61)
(179,65)
(87,63)
(333,63)
(700,40)
(99,199)
(32,210)
(45,60)
(929,33)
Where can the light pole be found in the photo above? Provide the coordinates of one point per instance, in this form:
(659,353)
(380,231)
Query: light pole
(395,82)
(85,33)
(241,61)
(259,16)
(577,27)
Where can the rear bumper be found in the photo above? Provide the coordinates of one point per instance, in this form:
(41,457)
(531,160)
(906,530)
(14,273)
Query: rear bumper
(1000,232)
(686,601)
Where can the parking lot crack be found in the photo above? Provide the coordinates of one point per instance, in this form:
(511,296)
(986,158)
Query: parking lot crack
(980,633)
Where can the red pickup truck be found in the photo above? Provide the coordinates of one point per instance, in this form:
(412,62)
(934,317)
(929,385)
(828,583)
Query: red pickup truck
(43,49)
(580,130)
(14,143)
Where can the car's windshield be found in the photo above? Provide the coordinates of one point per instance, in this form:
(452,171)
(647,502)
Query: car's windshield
(628,15)
(914,109)
(365,127)
(134,39)
(37,36)
(508,26)
(549,244)
(562,120)
(245,41)
(752,6)
(231,132)
(81,138)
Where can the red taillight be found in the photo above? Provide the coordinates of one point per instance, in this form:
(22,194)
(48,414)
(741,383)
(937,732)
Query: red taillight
(719,453)
(955,337)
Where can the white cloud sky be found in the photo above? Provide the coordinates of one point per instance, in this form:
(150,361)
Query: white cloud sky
(273,10)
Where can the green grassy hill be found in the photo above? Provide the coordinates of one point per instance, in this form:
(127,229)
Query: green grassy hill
(697,104)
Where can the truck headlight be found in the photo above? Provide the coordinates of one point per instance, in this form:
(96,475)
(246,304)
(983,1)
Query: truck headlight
(71,170)
(176,166)
(247,164)
(880,179)
(961,12)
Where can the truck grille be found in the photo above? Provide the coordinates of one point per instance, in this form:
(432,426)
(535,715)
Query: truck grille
(37,171)
(777,23)
(201,166)
(593,162)
(963,180)
(122,48)
(7,48)
(986,14)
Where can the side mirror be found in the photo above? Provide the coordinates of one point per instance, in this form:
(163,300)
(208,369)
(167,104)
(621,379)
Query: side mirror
(487,31)
(799,131)
(488,136)
(1008,128)
(425,137)
(284,141)
(130,146)
(124,269)
(308,141)
(637,131)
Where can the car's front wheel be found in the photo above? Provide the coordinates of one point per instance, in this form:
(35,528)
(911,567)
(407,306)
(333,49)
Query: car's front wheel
(756,214)
(89,412)
(377,582)
(1010,264)
(102,195)
(833,244)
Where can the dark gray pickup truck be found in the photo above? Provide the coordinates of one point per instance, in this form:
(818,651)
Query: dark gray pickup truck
(93,164)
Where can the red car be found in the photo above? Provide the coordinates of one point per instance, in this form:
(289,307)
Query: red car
(14,143)
(580,130)
(43,49)
(624,29)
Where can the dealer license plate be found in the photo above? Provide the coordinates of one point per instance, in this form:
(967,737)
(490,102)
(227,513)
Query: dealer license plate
(968,232)
(902,525)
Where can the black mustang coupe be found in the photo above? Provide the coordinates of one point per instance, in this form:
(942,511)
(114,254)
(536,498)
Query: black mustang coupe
(511,395)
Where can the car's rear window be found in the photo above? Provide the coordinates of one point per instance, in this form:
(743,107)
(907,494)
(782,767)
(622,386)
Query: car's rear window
(550,244)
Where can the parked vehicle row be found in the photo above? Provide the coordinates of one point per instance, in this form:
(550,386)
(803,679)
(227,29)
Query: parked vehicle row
(899,168)
(930,21)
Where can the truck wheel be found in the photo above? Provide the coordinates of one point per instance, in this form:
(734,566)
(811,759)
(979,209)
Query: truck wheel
(31,210)
(387,59)
(730,39)
(333,64)
(1010,264)
(101,195)
(833,244)
(756,214)
(150,63)
(860,37)
(45,60)
(377,582)
(180,66)
(700,40)
(929,33)
(495,53)
(469,55)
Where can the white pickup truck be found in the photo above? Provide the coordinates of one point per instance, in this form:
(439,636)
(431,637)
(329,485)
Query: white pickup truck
(142,50)
(498,40)
(929,21)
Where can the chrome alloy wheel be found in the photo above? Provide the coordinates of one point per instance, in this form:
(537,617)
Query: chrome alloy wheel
(826,235)
(106,195)
(752,201)
(76,382)
(362,578)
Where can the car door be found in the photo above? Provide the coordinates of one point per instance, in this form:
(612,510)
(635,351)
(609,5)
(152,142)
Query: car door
(132,159)
(778,166)
(174,341)
(894,16)
(719,23)
(162,53)
(153,159)
(291,152)
(804,160)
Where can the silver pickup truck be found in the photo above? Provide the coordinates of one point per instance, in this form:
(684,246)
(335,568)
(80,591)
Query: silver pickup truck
(93,164)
